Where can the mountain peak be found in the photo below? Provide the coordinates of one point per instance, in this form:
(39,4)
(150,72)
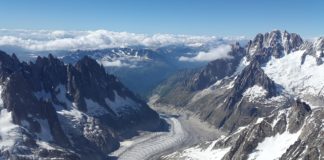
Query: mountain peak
(319,43)
(274,43)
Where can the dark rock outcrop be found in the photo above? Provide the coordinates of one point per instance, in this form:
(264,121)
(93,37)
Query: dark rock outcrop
(298,113)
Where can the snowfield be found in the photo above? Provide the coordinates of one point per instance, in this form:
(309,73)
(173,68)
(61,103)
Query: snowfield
(255,92)
(198,153)
(297,78)
(274,147)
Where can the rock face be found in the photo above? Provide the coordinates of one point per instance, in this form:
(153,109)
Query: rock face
(65,111)
(226,115)
(250,76)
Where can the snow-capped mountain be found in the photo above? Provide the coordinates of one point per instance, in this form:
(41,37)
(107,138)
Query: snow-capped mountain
(268,98)
(53,110)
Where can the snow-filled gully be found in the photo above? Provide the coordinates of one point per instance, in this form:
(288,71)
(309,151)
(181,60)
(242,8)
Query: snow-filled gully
(144,147)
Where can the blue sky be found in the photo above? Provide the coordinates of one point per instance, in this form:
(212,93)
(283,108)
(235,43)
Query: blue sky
(193,17)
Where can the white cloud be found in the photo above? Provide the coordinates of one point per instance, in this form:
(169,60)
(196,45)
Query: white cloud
(46,40)
(116,63)
(221,52)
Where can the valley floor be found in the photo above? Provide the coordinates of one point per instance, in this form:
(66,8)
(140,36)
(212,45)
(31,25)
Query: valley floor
(183,133)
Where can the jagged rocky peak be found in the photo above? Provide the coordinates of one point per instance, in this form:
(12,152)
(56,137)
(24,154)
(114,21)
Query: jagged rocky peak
(8,64)
(253,75)
(274,43)
(319,47)
(226,110)
(291,41)
(87,64)
(218,69)
(319,43)
(314,48)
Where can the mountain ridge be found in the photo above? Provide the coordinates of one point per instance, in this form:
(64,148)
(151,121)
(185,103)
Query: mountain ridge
(273,95)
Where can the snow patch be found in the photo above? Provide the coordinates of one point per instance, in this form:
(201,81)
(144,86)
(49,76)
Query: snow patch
(231,84)
(73,114)
(274,147)
(1,101)
(244,62)
(255,93)
(121,104)
(45,145)
(9,132)
(238,130)
(197,153)
(259,120)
